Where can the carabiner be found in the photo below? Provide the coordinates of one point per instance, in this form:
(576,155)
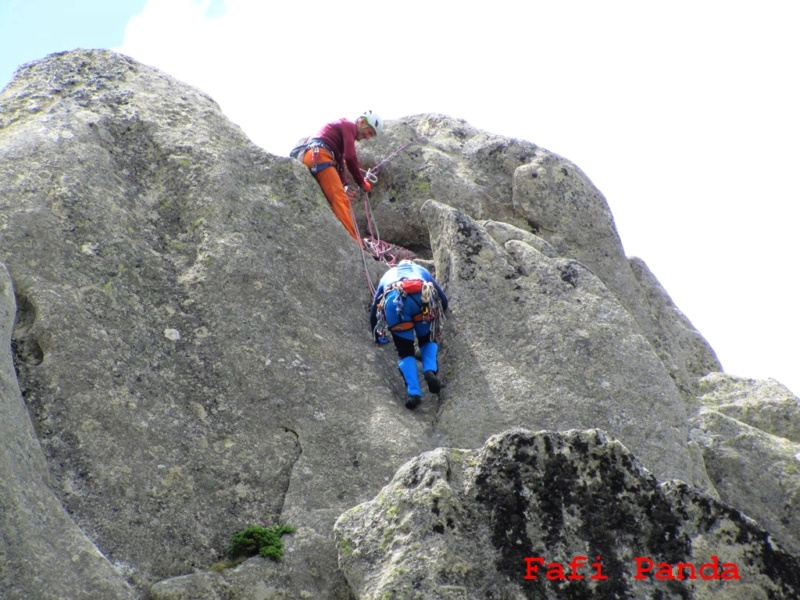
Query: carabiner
(368,176)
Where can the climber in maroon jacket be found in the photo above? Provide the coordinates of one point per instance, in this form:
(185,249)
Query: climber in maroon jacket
(335,146)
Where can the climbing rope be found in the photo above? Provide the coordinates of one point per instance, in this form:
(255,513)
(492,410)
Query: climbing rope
(383,251)
(389,254)
(395,153)
(361,243)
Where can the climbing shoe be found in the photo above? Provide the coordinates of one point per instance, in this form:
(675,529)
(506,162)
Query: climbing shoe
(434,385)
(412,402)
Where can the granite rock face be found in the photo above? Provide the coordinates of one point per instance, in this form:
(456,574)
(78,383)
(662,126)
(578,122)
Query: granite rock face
(553,515)
(749,433)
(43,553)
(550,346)
(190,351)
(490,177)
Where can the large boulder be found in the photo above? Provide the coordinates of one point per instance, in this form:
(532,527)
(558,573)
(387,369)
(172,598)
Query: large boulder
(553,515)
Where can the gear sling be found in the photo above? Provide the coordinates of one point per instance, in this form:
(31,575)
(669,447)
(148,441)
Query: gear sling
(428,297)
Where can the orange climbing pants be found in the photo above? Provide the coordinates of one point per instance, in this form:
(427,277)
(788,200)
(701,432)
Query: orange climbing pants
(331,184)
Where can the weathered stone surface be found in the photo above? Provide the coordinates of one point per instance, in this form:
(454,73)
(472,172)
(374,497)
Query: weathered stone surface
(195,354)
(549,345)
(764,404)
(570,213)
(504,232)
(435,156)
(43,553)
(258,578)
(461,524)
(685,353)
(490,177)
(191,330)
(748,433)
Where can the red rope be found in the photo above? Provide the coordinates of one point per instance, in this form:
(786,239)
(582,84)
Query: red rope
(389,254)
(361,244)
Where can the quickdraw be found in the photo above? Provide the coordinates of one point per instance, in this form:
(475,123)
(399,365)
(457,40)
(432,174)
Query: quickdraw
(317,166)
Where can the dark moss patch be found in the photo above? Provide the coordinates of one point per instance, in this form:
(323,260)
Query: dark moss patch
(265,541)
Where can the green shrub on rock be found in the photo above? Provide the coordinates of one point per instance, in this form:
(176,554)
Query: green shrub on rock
(256,539)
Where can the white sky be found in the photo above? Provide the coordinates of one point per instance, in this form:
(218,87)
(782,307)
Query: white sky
(684,114)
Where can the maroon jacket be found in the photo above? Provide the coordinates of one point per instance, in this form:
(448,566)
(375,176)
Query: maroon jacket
(340,137)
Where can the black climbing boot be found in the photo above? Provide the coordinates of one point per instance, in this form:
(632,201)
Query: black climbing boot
(412,402)
(434,385)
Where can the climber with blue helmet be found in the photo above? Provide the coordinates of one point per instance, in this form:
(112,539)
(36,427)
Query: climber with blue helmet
(409,303)
(335,146)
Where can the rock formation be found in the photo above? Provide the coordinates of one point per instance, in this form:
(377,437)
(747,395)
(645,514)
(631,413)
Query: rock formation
(190,351)
(553,515)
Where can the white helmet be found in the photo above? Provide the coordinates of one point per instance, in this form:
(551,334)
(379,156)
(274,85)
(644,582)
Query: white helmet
(372,120)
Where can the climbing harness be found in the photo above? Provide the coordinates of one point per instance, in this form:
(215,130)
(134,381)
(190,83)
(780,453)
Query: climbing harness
(430,305)
(314,145)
